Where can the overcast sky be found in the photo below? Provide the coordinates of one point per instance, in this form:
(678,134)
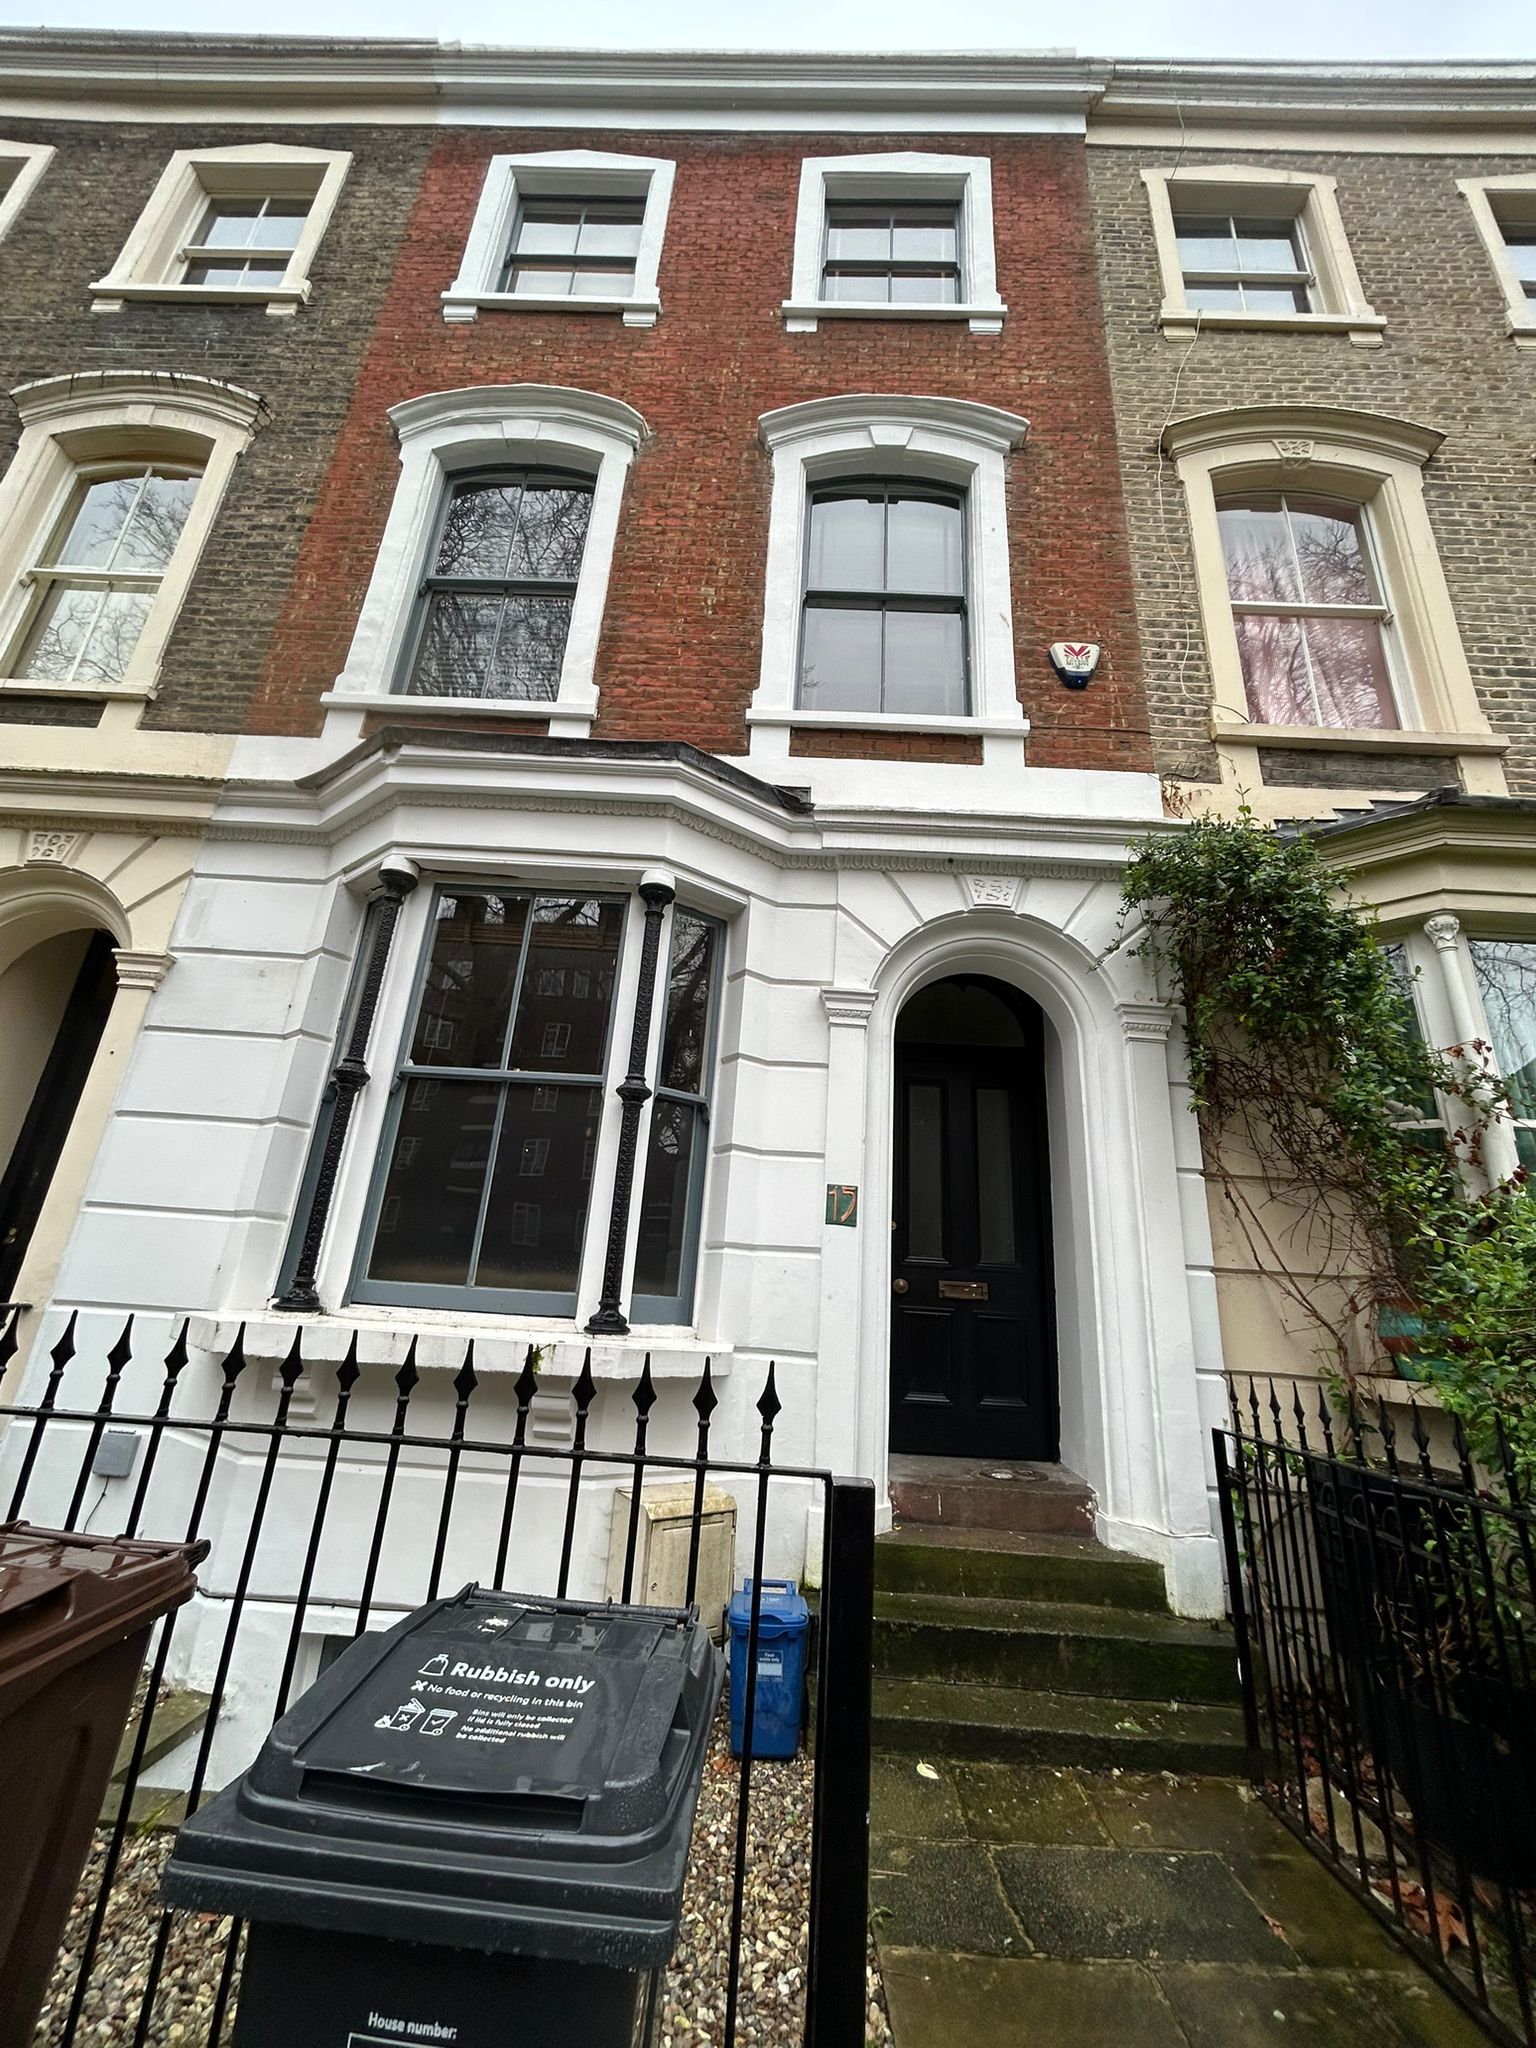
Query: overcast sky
(1123,28)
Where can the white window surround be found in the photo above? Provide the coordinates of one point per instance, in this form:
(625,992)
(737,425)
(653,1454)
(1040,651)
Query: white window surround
(146,266)
(1367,459)
(441,434)
(26,162)
(1481,195)
(99,416)
(1246,188)
(941,440)
(563,173)
(903,174)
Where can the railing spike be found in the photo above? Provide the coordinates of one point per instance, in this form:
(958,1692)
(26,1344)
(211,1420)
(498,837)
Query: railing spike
(349,1372)
(292,1369)
(706,1400)
(645,1396)
(465,1380)
(526,1386)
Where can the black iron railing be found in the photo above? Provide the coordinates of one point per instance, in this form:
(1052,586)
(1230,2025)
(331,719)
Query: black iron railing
(322,1496)
(1384,1596)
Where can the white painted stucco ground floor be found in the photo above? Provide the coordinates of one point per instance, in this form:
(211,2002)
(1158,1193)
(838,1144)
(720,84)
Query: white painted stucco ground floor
(830,907)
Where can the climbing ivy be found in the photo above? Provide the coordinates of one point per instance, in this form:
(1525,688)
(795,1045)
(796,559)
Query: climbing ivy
(1307,1073)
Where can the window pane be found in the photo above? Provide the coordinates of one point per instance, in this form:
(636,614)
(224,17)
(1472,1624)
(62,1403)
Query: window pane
(847,549)
(562,1013)
(857,236)
(994,1176)
(925,663)
(548,229)
(228,224)
(113,637)
(840,660)
(924,235)
(99,519)
(479,530)
(925,548)
(540,1187)
(597,284)
(685,1034)
(281,225)
(858,288)
(1506,975)
(1257,545)
(1334,569)
(531,649)
(1522,253)
(1349,668)
(1205,242)
(224,277)
(527,280)
(154,526)
(1214,298)
(431,1200)
(1275,298)
(925,288)
(457,644)
(925,1170)
(62,629)
(675,1130)
(609,231)
(1424,1105)
(1268,245)
(1274,669)
(551,530)
(467,999)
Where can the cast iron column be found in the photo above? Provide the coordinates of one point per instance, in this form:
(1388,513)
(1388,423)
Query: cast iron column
(397,878)
(656,892)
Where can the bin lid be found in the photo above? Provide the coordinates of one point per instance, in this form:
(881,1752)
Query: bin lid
(497,1771)
(780,1612)
(63,1597)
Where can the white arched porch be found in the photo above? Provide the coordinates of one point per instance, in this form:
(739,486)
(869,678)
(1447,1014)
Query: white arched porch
(1128,1339)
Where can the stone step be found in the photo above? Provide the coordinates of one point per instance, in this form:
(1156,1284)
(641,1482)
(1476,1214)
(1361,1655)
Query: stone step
(995,1564)
(1054,1646)
(177,1716)
(972,1493)
(1007,1724)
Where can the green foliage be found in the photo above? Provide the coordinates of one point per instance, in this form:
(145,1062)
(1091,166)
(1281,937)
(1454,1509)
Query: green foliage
(1305,1066)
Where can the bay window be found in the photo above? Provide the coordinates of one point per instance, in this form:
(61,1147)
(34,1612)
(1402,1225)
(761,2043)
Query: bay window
(496,1147)
(1506,981)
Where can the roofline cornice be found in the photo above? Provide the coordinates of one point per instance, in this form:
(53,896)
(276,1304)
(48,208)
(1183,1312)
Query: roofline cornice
(91,64)
(1493,93)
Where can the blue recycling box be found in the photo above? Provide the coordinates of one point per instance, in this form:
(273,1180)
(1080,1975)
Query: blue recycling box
(782,1622)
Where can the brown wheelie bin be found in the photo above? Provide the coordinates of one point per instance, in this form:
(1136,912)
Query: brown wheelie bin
(75,1617)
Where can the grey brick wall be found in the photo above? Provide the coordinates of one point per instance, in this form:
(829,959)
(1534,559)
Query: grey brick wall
(1446,360)
(70,232)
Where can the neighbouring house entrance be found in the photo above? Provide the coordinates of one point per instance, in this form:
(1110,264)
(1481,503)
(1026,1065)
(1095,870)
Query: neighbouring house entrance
(53,1006)
(973,1368)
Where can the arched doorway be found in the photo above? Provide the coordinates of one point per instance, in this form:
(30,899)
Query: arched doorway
(973,1368)
(54,1002)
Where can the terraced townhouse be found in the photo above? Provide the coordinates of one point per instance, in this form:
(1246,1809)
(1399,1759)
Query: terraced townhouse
(587,639)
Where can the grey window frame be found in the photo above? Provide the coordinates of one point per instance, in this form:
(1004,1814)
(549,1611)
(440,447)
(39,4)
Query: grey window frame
(887,600)
(498,1300)
(892,267)
(1303,279)
(431,582)
(678,1308)
(511,259)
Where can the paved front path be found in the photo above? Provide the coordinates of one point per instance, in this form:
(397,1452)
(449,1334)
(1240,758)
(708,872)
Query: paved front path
(1083,1911)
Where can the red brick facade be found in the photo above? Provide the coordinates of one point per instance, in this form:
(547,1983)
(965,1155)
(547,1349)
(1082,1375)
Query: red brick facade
(679,655)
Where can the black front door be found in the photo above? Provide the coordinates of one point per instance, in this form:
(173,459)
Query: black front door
(972,1370)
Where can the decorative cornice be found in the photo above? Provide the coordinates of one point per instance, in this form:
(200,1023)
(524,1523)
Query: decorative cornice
(987,425)
(1336,426)
(1152,1021)
(848,1006)
(481,406)
(141,970)
(58,398)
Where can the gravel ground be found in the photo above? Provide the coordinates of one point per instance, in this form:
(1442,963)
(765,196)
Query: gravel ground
(770,2013)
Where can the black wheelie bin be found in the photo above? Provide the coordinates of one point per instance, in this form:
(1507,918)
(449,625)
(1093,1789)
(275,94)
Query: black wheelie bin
(472,1831)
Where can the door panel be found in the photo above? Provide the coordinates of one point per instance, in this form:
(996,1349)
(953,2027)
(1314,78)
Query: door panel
(972,1368)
